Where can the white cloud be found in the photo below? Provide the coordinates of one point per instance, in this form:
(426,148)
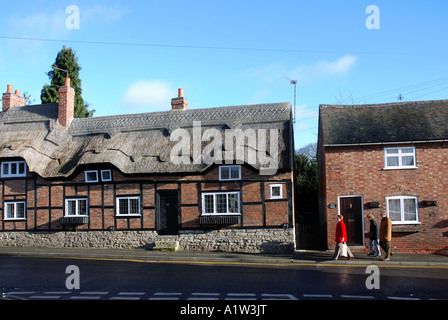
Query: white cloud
(43,24)
(268,73)
(323,69)
(146,96)
(304,113)
(100,14)
(303,73)
(277,74)
(340,66)
(52,24)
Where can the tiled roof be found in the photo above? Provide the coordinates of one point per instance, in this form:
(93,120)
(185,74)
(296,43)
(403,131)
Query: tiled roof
(384,123)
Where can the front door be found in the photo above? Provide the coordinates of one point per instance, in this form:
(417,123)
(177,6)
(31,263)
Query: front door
(168,213)
(351,208)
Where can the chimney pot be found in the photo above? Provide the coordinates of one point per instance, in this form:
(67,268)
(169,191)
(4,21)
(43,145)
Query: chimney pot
(66,106)
(10,99)
(179,103)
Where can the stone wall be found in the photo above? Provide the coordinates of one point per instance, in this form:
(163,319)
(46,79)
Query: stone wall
(80,239)
(277,240)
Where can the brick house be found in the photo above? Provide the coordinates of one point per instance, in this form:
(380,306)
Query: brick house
(391,157)
(212,179)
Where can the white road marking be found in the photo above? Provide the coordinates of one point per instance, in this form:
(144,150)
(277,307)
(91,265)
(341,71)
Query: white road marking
(205,294)
(277,296)
(131,293)
(124,298)
(85,297)
(21,292)
(403,298)
(312,295)
(241,296)
(168,294)
(95,292)
(356,297)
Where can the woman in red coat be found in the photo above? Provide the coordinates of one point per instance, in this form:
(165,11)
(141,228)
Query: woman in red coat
(341,238)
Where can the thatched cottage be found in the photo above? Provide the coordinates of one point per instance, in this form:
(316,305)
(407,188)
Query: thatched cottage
(205,179)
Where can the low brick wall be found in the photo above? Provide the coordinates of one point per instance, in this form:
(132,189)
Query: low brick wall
(276,240)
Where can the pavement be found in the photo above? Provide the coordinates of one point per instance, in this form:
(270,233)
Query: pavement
(305,257)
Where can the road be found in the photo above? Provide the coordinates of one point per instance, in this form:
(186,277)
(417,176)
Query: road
(48,279)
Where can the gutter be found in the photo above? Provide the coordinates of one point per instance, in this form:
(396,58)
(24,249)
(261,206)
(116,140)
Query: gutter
(383,143)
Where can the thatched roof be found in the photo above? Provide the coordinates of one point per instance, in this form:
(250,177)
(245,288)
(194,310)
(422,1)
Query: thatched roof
(384,123)
(135,143)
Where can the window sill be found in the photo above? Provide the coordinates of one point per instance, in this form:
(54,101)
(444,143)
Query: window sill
(406,227)
(13,177)
(221,214)
(220,219)
(136,215)
(401,168)
(75,220)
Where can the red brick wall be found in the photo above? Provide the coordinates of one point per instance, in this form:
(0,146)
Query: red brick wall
(359,171)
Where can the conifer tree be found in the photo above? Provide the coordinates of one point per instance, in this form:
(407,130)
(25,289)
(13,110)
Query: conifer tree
(66,60)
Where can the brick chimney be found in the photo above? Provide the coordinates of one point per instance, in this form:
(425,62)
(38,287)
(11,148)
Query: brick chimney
(179,103)
(10,99)
(66,108)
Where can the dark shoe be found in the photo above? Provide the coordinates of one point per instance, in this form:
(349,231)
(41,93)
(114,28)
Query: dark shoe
(371,254)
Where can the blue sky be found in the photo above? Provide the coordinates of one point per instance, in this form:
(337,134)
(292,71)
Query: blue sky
(135,54)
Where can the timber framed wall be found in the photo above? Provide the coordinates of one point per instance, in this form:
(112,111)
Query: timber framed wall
(45,201)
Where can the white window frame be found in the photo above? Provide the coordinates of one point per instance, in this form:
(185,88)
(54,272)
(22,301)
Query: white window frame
(400,156)
(215,211)
(229,168)
(77,200)
(14,203)
(129,214)
(86,173)
(276,185)
(402,214)
(110,174)
(13,175)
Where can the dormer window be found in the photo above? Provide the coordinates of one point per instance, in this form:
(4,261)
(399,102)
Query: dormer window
(95,176)
(230,172)
(91,176)
(13,169)
(106,175)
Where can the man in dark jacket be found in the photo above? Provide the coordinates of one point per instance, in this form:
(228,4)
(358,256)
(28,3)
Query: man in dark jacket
(374,236)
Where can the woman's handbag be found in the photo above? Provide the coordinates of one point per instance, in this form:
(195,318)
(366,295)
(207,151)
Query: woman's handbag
(343,250)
